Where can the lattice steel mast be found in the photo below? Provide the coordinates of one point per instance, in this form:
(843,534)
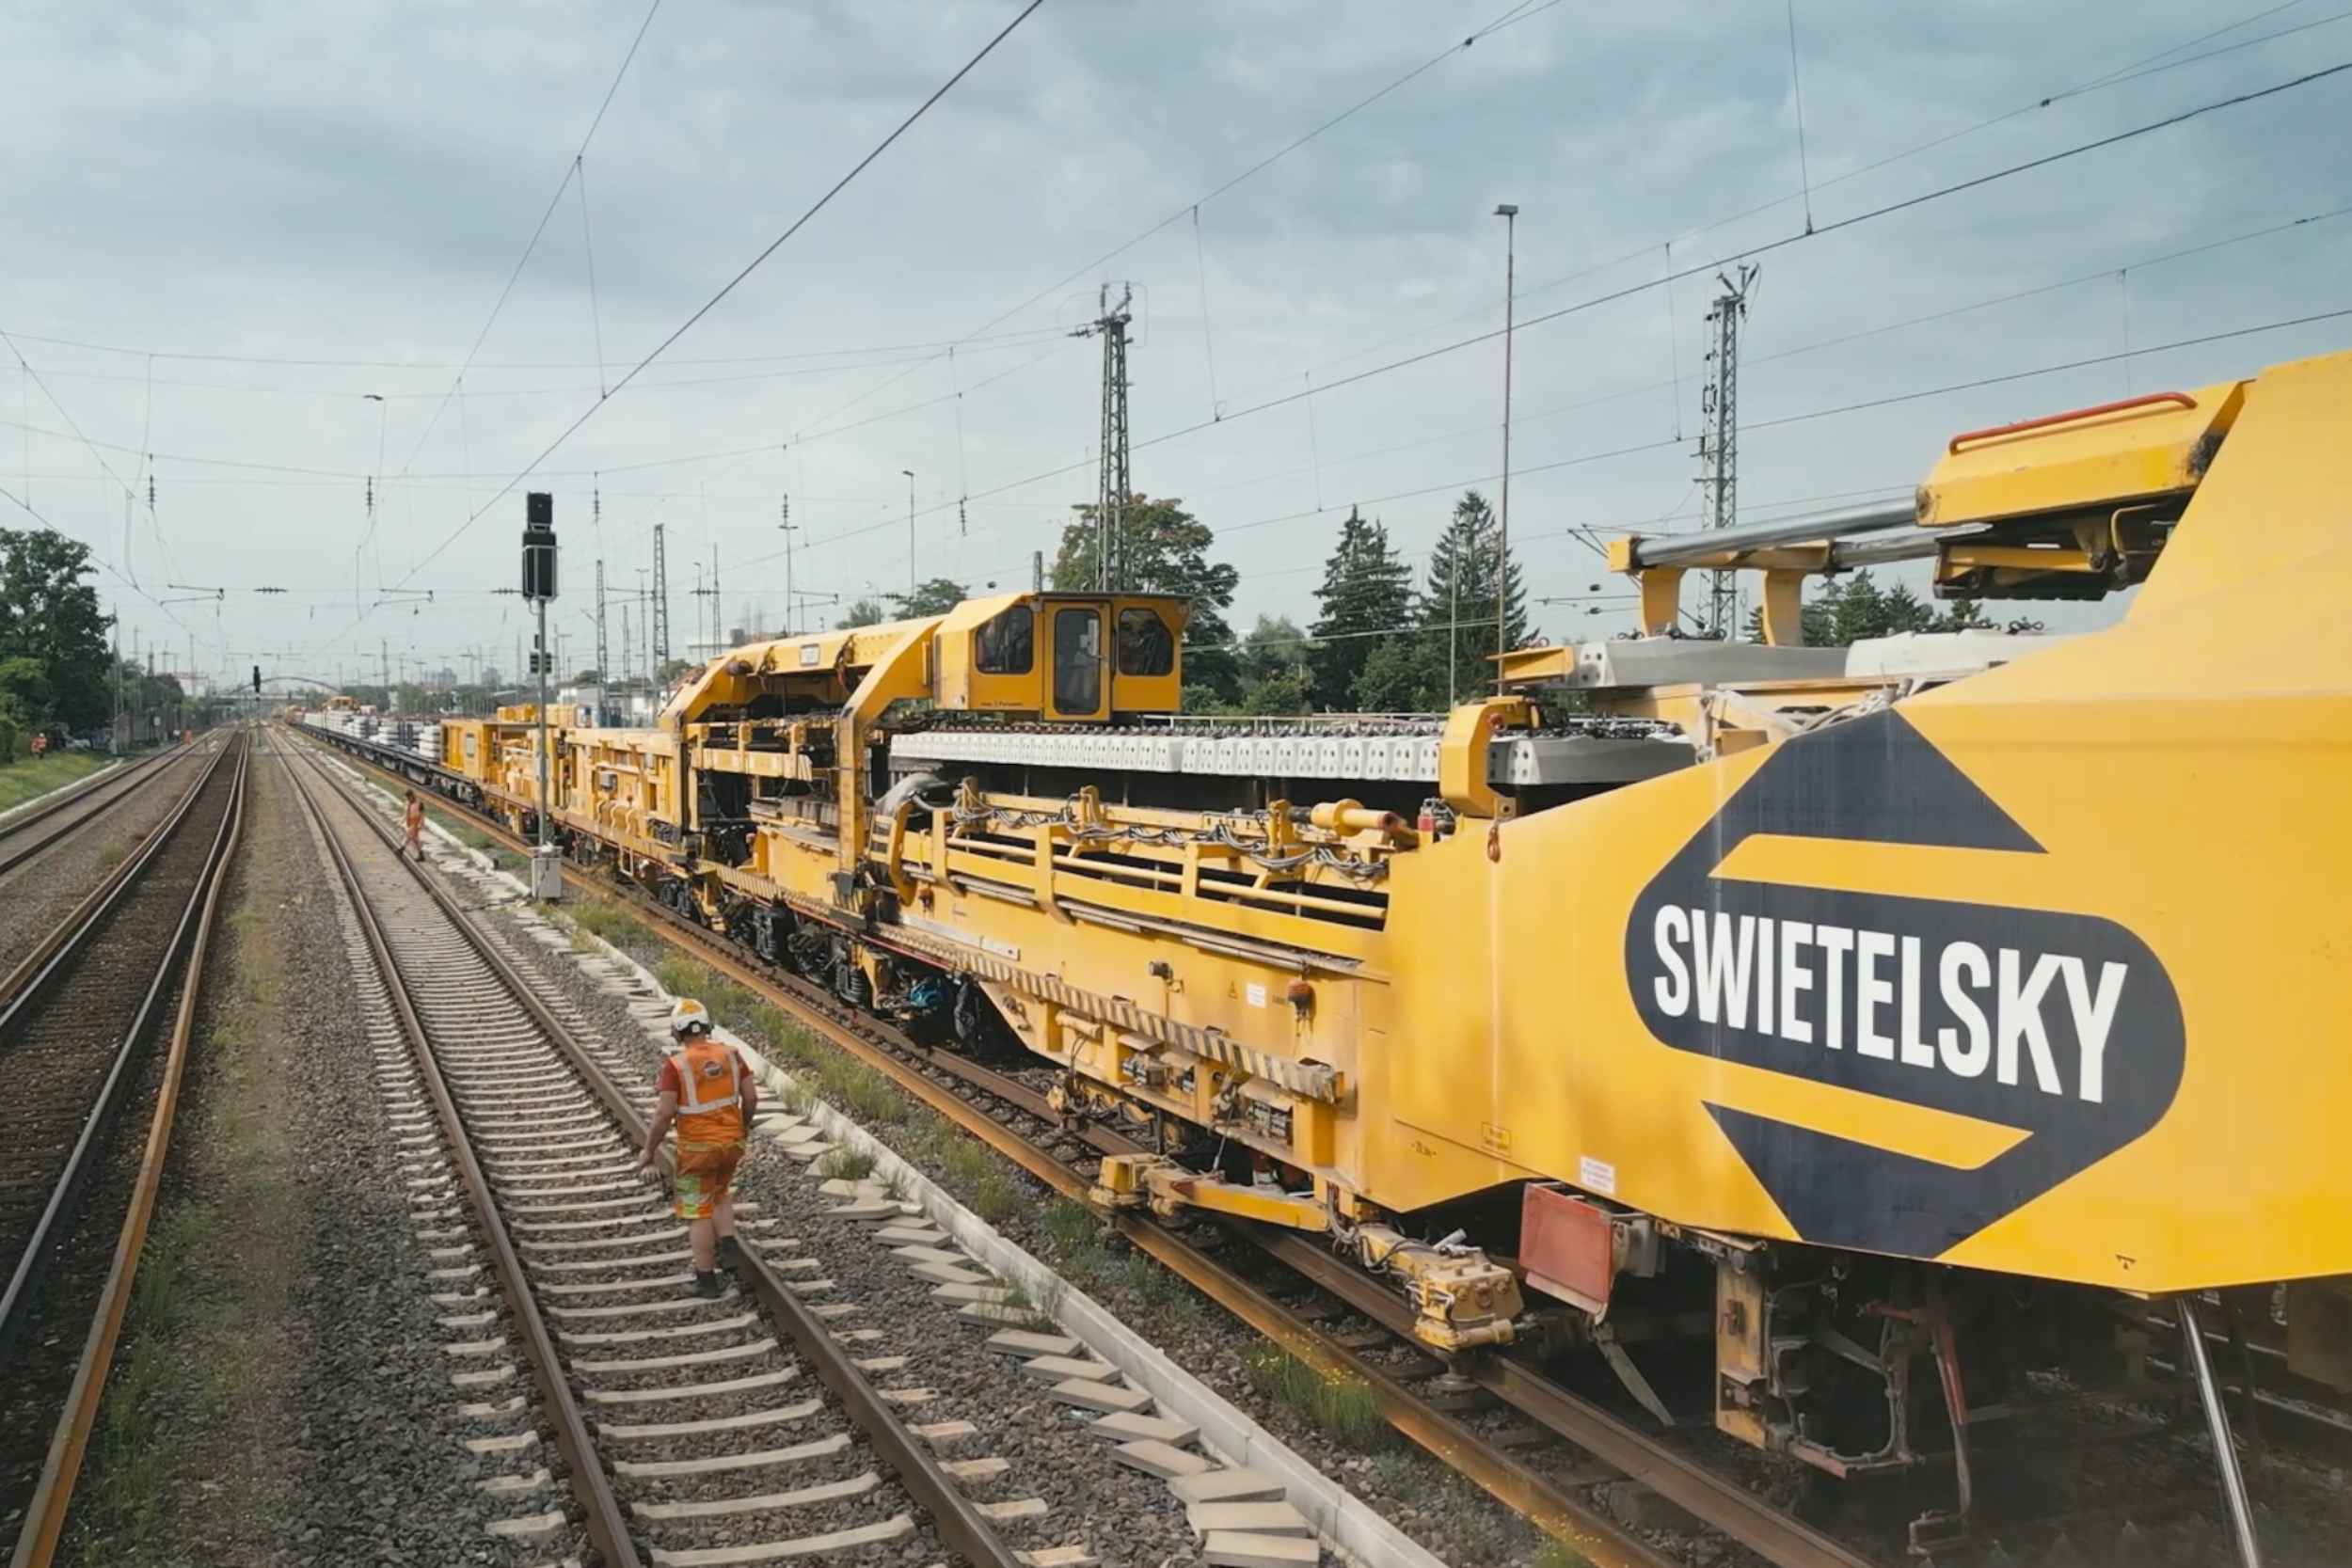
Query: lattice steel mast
(1719,438)
(1111,509)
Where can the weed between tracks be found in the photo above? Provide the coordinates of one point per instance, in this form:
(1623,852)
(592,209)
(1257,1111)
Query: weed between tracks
(1343,1408)
(847,1164)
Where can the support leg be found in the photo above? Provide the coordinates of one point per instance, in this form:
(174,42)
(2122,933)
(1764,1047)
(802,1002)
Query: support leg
(2192,1337)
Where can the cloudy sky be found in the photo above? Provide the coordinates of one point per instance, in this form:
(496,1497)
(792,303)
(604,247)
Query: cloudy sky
(231,227)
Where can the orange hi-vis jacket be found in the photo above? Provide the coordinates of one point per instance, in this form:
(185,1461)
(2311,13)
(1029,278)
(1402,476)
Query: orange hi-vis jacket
(710,1101)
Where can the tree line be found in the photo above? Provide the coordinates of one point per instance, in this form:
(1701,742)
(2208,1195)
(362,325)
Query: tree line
(1380,642)
(57,674)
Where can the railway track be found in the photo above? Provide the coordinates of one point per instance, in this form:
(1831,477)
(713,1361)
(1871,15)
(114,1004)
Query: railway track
(1013,1117)
(557,1265)
(77,1037)
(25,833)
(1580,1441)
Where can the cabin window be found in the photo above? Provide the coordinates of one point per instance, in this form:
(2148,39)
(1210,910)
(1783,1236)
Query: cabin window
(1078,660)
(1006,645)
(1145,648)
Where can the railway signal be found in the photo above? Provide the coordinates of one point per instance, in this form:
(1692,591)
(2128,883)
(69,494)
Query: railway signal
(546,871)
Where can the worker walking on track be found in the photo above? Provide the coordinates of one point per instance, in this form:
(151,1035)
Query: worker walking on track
(708,1093)
(415,821)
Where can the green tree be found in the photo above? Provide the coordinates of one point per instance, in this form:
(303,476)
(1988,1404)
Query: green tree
(1458,605)
(1367,590)
(1279,697)
(1273,649)
(934,596)
(50,614)
(1854,608)
(862,612)
(1273,664)
(1167,551)
(1406,673)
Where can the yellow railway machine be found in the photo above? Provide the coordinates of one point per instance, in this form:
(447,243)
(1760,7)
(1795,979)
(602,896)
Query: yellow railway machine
(1860,1024)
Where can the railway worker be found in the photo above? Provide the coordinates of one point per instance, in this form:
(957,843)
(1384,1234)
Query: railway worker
(415,822)
(708,1093)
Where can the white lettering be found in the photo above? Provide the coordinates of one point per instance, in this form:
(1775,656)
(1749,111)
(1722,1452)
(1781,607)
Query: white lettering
(1869,991)
(1763,975)
(1917,1051)
(1837,940)
(1725,966)
(1672,988)
(2019,1011)
(1795,936)
(2093,1019)
(1969,957)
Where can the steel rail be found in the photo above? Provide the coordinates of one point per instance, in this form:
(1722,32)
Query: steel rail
(100,897)
(86,922)
(1724,1504)
(45,1515)
(1720,1502)
(88,791)
(606,1524)
(954,1518)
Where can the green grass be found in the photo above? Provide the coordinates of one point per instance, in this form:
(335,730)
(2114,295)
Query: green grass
(1559,1554)
(604,918)
(997,1197)
(27,777)
(859,1090)
(1344,1408)
(848,1165)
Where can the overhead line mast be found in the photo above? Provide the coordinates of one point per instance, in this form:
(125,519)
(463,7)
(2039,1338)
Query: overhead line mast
(1111,509)
(1719,439)
(661,605)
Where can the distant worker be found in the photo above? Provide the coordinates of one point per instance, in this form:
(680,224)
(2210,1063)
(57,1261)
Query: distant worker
(708,1093)
(41,743)
(415,822)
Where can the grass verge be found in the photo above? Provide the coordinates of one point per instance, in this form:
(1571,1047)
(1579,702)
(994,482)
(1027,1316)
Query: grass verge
(27,777)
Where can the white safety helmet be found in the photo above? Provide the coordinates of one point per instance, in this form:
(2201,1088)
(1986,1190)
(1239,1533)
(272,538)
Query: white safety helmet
(688,1017)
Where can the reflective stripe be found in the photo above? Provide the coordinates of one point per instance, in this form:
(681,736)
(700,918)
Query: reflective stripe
(717,1118)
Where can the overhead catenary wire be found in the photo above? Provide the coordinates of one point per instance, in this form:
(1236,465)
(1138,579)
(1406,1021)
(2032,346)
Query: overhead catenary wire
(1633,449)
(1233,182)
(570,168)
(729,287)
(1796,92)
(588,250)
(2145,65)
(1611,296)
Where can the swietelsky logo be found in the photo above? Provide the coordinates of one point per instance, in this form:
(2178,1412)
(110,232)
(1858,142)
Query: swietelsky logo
(2063,1026)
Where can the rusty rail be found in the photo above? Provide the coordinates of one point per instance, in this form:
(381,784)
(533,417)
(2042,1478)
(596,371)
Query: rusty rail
(1722,1503)
(53,1495)
(957,1520)
(606,1524)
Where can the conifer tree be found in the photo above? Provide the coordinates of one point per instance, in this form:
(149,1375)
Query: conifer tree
(1458,606)
(1367,590)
